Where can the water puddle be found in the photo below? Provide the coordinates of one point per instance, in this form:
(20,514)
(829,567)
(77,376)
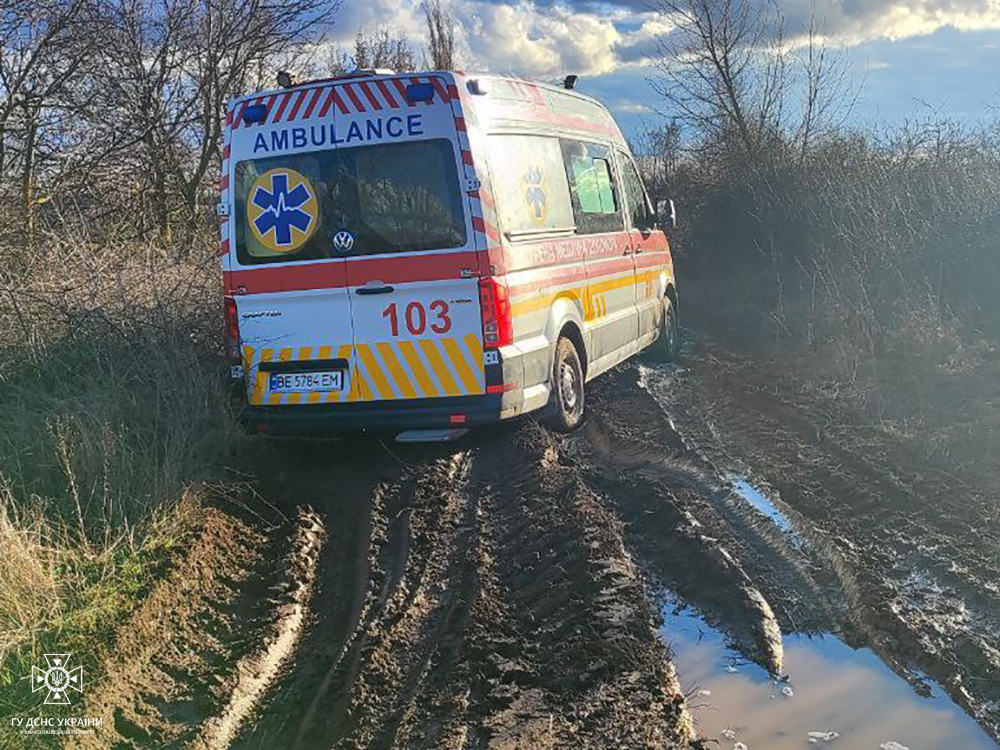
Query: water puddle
(763,505)
(836,696)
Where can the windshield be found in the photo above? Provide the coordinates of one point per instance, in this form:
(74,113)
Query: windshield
(358,201)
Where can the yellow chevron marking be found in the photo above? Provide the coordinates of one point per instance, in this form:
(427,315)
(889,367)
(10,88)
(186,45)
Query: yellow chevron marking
(261,379)
(344,352)
(305,354)
(283,356)
(247,364)
(475,347)
(461,366)
(399,375)
(417,367)
(434,357)
(375,372)
(322,353)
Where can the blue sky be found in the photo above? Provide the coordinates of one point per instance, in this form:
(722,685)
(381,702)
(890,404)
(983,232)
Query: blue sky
(909,58)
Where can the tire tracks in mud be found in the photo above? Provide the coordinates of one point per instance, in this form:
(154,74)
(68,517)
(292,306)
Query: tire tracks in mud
(496,593)
(498,609)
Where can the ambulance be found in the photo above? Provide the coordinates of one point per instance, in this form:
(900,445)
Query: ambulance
(424,252)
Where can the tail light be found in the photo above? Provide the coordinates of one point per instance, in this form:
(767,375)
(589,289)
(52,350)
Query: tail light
(494,302)
(232,332)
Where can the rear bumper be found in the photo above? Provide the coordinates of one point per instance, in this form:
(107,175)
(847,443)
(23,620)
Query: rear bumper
(414,414)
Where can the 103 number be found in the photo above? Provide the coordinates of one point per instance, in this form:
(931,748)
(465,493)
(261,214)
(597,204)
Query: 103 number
(416,317)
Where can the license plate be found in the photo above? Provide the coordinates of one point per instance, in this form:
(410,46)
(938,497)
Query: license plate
(307,382)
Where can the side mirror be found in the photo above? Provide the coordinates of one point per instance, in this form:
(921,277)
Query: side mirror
(666,211)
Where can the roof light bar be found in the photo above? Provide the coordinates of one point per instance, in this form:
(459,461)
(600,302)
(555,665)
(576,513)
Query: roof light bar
(419,92)
(254,113)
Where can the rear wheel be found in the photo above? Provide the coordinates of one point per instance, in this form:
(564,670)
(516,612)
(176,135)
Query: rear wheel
(667,346)
(567,388)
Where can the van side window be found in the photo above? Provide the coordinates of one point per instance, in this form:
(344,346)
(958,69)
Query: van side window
(642,215)
(529,184)
(592,187)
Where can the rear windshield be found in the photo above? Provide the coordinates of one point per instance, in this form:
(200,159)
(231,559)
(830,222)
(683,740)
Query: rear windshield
(367,200)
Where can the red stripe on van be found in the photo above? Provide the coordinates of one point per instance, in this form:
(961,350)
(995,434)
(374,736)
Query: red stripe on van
(467,157)
(460,124)
(439,87)
(224,182)
(281,107)
(387,94)
(349,88)
(224,249)
(363,85)
(401,89)
(312,104)
(297,105)
(225,152)
(549,278)
(238,118)
(338,99)
(392,269)
(453,91)
(481,225)
(329,102)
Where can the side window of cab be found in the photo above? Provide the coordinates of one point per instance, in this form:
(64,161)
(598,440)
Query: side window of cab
(530,185)
(637,202)
(592,188)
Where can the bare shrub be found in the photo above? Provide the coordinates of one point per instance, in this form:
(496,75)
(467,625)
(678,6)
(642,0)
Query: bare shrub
(115,407)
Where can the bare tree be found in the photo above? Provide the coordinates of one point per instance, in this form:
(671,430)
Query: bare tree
(169,69)
(382,48)
(828,97)
(728,70)
(441,35)
(43,46)
(722,68)
(657,149)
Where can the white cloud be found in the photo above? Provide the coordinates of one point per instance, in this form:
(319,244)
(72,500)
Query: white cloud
(538,41)
(549,40)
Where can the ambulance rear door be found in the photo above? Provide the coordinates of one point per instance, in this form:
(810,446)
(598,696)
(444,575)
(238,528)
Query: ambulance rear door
(412,265)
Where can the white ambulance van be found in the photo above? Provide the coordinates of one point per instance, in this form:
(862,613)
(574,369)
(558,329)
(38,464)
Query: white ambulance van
(427,252)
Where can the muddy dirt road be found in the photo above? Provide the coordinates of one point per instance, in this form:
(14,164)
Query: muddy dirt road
(506,591)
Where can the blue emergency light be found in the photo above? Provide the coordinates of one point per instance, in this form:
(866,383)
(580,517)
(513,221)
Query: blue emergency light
(254,113)
(419,92)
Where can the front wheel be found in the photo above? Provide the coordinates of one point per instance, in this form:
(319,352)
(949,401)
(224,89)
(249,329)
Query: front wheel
(567,388)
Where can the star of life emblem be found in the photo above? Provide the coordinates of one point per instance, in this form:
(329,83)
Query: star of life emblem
(282,210)
(58,679)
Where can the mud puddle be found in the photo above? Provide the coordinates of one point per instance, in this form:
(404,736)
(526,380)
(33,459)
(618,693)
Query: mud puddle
(834,694)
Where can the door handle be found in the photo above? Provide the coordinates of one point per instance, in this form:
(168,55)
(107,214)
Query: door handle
(385,289)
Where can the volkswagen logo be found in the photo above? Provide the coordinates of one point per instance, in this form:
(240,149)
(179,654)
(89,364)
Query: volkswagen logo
(343,241)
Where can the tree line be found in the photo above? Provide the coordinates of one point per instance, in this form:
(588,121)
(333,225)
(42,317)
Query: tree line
(111,111)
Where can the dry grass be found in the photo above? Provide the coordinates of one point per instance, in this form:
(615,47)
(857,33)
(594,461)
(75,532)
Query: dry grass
(115,412)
